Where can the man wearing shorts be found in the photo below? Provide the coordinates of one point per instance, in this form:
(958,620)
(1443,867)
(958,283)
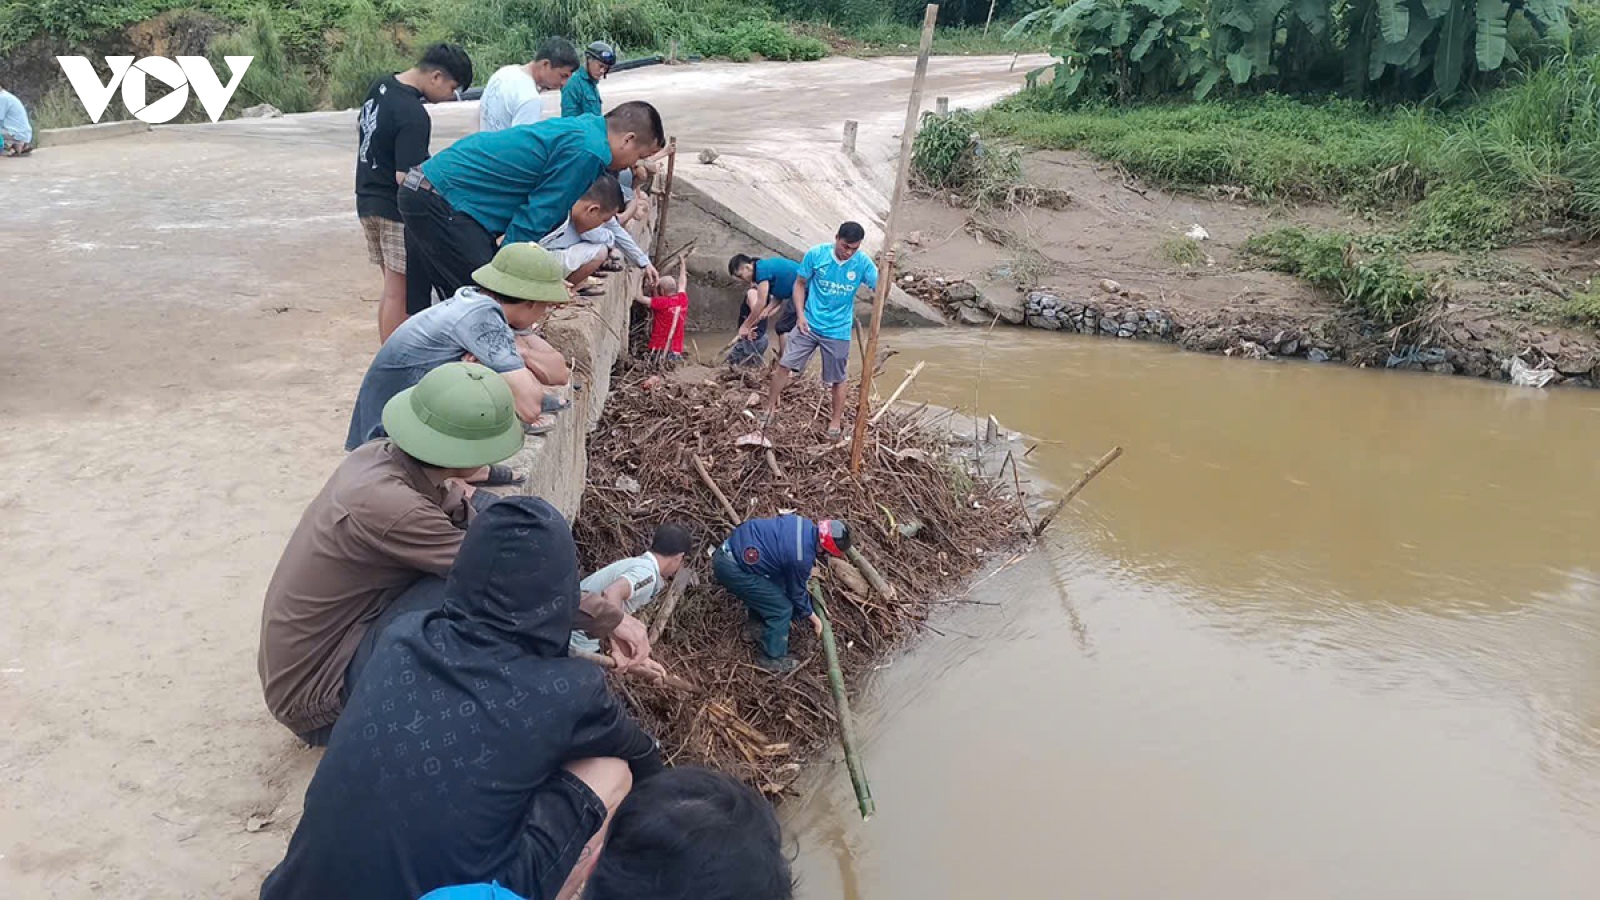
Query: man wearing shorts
(770,296)
(394,130)
(824,306)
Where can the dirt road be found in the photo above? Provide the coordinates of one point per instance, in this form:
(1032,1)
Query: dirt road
(192,321)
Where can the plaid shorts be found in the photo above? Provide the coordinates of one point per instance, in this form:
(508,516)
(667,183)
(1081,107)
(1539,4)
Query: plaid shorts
(386,242)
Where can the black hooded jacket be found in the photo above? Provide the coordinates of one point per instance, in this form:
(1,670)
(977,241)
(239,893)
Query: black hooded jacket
(458,718)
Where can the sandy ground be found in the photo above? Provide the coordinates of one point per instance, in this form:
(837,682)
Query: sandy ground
(192,321)
(1119,228)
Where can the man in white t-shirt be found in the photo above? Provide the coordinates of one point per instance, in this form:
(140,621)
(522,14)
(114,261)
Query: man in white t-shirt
(512,95)
(634,582)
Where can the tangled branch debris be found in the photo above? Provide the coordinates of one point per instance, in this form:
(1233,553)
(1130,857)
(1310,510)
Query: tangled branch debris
(917,514)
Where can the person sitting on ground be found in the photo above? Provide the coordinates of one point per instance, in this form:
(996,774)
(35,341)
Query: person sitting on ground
(766,563)
(473,748)
(514,292)
(16,132)
(633,583)
(392,131)
(584,240)
(581,95)
(516,184)
(512,95)
(393,512)
(688,832)
(770,296)
(669,311)
(824,306)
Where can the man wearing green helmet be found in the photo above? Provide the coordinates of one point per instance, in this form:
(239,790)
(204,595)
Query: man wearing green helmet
(396,509)
(581,95)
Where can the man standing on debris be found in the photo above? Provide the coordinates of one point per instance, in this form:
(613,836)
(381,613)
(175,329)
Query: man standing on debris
(770,296)
(581,95)
(635,582)
(512,95)
(394,511)
(512,185)
(393,131)
(824,305)
(766,563)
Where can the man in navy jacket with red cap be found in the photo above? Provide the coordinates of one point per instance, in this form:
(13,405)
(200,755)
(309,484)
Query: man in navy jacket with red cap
(766,564)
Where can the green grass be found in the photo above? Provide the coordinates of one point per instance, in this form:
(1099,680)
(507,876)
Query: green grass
(1581,309)
(948,155)
(1378,284)
(1524,156)
(1182,250)
(900,39)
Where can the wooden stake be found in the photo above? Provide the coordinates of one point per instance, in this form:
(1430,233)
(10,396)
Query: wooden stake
(1094,470)
(850,128)
(991,431)
(988,19)
(705,476)
(910,377)
(680,583)
(666,193)
(941,105)
(908,135)
(841,703)
(670,680)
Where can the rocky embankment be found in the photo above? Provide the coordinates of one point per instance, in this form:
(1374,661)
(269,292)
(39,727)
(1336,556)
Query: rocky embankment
(1454,342)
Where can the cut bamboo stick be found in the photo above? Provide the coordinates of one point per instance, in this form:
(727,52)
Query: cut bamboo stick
(847,728)
(1088,476)
(705,476)
(910,377)
(871,573)
(680,583)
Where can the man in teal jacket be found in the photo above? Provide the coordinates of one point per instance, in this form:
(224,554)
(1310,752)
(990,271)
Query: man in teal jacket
(581,95)
(517,184)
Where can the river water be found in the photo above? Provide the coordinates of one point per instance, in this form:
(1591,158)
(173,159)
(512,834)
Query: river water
(1320,633)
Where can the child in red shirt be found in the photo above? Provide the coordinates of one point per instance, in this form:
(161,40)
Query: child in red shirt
(669,311)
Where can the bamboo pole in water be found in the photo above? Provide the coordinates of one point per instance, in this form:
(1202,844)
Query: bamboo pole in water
(847,727)
(1094,470)
(886,276)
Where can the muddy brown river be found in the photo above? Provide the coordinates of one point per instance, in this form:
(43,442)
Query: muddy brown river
(1320,633)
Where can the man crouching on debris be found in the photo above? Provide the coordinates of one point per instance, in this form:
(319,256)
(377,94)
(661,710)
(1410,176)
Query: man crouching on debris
(766,563)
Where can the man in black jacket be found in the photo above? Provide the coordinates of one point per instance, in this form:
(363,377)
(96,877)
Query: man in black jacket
(472,749)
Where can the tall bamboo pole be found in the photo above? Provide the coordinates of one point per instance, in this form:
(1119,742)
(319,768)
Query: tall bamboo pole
(890,233)
(841,703)
(666,193)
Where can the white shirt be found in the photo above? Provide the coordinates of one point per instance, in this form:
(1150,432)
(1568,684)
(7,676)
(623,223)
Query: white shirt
(611,234)
(510,98)
(643,575)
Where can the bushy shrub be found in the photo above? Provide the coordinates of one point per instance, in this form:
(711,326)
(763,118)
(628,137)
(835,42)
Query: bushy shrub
(272,77)
(949,155)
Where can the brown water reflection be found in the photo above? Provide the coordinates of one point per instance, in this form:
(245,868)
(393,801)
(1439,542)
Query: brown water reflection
(1320,633)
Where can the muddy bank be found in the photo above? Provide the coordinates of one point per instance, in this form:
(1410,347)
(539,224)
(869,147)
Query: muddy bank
(1117,262)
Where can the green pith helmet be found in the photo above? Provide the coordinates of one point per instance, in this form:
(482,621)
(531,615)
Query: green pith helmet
(525,271)
(459,416)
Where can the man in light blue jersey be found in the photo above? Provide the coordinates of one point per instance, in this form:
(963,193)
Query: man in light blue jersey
(824,304)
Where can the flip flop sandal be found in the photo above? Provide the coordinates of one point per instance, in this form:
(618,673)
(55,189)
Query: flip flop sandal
(500,476)
(553,404)
(591,290)
(611,265)
(542,426)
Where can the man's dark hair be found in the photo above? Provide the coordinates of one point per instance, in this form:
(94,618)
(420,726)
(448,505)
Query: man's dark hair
(640,118)
(852,232)
(671,539)
(739,259)
(452,60)
(691,832)
(606,191)
(559,52)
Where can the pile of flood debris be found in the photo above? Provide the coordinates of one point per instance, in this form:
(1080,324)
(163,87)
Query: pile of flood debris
(917,513)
